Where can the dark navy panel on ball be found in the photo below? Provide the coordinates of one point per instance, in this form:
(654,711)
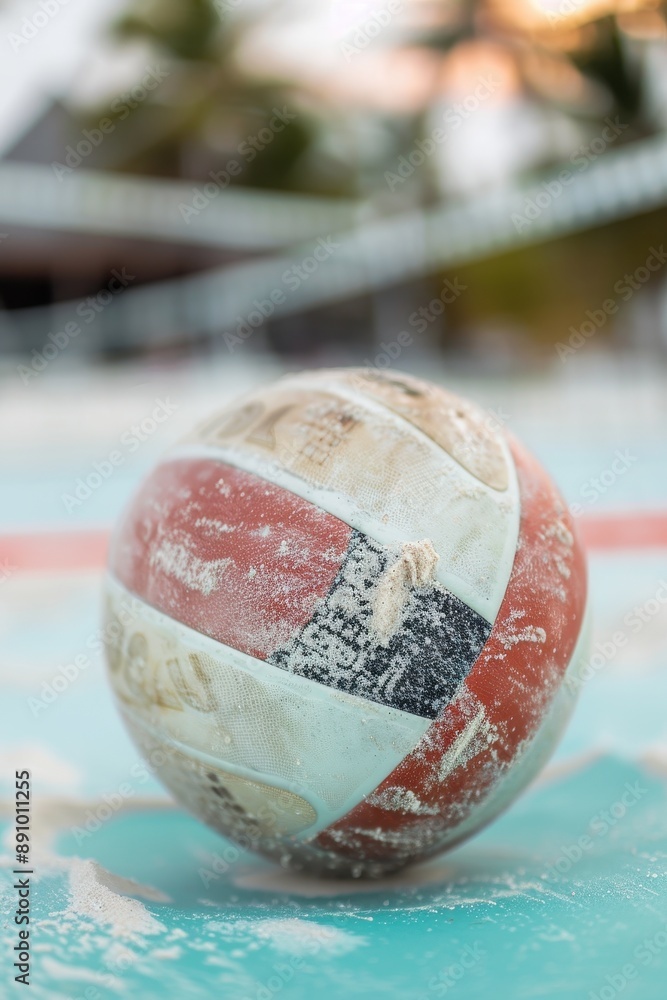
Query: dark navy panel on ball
(417,667)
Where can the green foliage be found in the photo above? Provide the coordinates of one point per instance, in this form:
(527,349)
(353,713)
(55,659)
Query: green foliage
(185,29)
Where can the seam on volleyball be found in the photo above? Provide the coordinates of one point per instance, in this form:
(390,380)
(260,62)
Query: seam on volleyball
(360,398)
(253,664)
(412,726)
(512,493)
(453,635)
(236,769)
(355,516)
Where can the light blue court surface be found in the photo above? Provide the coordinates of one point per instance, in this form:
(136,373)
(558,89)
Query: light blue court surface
(564,897)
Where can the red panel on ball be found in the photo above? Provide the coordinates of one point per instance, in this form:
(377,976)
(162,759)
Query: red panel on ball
(503,699)
(227,553)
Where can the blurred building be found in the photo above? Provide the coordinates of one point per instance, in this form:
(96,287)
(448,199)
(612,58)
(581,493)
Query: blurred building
(204,148)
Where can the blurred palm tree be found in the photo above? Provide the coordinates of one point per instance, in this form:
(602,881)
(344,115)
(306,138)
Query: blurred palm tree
(210,104)
(571,61)
(578,58)
(572,57)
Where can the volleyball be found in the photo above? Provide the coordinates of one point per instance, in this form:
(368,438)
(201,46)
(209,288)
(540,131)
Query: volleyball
(347,608)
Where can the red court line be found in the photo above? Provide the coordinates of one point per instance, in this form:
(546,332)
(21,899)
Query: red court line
(72,551)
(628,530)
(53,551)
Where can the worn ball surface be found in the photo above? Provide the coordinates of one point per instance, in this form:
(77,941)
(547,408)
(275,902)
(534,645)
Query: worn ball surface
(347,608)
